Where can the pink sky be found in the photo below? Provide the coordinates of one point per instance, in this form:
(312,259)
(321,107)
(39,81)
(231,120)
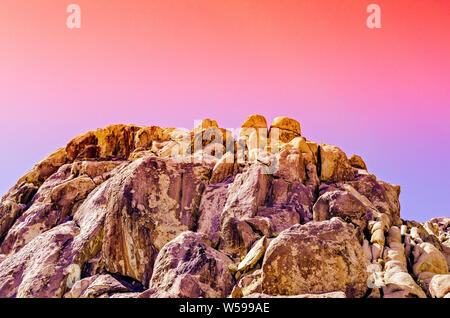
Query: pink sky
(383,94)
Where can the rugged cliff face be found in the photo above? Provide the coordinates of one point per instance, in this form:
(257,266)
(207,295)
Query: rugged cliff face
(129,211)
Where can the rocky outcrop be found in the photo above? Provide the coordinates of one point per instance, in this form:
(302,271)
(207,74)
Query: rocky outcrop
(133,211)
(318,257)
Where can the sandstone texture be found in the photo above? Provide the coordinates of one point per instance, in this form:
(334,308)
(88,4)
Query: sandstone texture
(151,212)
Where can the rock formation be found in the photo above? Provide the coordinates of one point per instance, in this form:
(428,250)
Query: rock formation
(131,211)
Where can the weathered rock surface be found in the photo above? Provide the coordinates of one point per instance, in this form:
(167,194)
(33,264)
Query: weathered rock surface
(290,166)
(236,237)
(341,204)
(98,286)
(211,207)
(188,267)
(150,202)
(133,211)
(55,202)
(402,285)
(246,193)
(287,128)
(37,269)
(440,286)
(278,218)
(317,257)
(223,168)
(428,258)
(334,164)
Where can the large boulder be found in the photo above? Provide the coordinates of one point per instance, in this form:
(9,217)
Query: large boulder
(428,258)
(188,267)
(290,166)
(286,123)
(287,129)
(279,218)
(255,125)
(145,136)
(236,237)
(308,149)
(317,257)
(255,121)
(334,164)
(384,196)
(341,204)
(247,192)
(402,285)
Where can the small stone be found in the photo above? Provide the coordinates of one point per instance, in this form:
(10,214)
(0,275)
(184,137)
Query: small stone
(253,255)
(236,292)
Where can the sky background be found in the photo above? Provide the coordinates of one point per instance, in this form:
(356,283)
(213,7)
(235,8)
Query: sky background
(380,93)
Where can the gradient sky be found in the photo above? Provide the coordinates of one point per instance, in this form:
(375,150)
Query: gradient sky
(383,93)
